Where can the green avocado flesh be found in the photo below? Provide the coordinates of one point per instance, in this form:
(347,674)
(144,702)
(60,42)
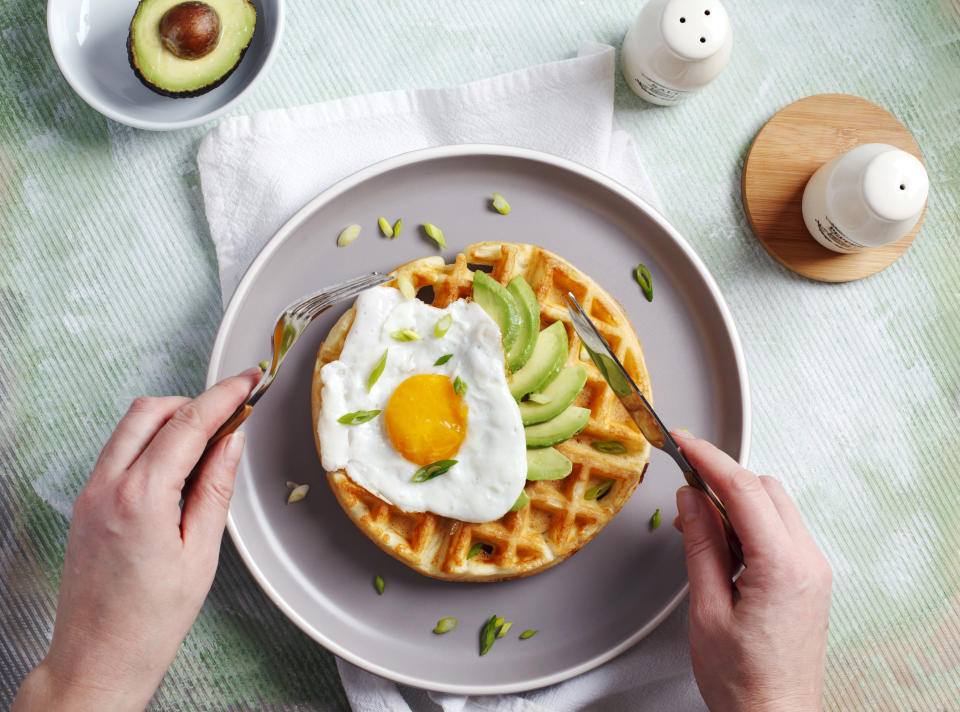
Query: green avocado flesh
(161,70)
(556,430)
(547,464)
(529,323)
(544,364)
(561,391)
(500,305)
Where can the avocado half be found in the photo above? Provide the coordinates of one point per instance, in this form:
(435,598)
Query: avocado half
(186,48)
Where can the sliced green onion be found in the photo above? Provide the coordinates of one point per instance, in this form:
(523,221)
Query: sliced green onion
(527,634)
(459,386)
(348,235)
(358,416)
(477,548)
(405,335)
(445,625)
(500,204)
(600,490)
(434,469)
(539,398)
(379,584)
(435,234)
(611,446)
(264,365)
(655,520)
(645,281)
(442,326)
(385,227)
(405,285)
(397,227)
(298,493)
(504,628)
(377,371)
(522,501)
(443,359)
(488,634)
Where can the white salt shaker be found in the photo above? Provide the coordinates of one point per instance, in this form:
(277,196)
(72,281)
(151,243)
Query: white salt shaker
(675,47)
(869,196)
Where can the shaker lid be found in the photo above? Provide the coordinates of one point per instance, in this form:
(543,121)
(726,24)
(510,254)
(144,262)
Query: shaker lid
(694,29)
(895,185)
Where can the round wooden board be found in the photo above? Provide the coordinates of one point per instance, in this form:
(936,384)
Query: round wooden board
(790,147)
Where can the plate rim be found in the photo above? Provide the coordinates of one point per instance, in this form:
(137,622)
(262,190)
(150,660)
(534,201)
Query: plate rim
(453,151)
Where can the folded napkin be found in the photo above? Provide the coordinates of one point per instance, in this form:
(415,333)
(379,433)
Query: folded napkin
(257,171)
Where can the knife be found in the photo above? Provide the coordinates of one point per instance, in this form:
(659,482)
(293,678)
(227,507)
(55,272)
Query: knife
(641,411)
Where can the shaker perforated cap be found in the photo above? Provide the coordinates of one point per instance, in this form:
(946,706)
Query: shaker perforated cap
(895,185)
(694,29)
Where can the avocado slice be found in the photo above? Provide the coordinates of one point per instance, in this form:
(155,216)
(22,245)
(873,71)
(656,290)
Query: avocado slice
(522,501)
(529,323)
(547,463)
(544,364)
(182,49)
(556,430)
(499,304)
(561,391)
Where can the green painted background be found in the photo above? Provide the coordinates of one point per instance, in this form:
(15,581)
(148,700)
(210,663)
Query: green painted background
(108,289)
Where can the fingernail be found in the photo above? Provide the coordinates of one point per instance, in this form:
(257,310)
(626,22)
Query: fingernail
(234,448)
(252,371)
(682,434)
(688,504)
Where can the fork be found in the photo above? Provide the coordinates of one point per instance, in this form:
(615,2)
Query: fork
(291,323)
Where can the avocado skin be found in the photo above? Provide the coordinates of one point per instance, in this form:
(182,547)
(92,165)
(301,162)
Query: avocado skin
(181,94)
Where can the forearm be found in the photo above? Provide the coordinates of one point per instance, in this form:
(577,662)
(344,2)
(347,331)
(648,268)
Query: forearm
(42,691)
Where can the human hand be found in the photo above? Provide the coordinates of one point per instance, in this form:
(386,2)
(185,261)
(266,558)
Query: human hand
(760,643)
(137,569)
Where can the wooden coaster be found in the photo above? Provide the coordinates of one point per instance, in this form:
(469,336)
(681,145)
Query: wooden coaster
(786,152)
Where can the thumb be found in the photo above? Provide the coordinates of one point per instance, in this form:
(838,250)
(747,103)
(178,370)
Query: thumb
(708,558)
(205,509)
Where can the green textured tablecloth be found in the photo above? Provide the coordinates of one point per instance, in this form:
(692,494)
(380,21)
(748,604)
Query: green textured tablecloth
(108,290)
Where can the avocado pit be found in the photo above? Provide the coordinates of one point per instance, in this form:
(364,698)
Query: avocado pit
(190,30)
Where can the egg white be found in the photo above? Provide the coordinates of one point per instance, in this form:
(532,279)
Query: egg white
(491,463)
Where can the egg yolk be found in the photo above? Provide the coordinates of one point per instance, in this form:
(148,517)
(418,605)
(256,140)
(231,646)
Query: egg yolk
(426,419)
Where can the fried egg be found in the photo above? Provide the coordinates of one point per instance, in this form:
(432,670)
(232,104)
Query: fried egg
(442,395)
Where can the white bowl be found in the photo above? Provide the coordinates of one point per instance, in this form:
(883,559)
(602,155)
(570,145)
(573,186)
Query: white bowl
(89,42)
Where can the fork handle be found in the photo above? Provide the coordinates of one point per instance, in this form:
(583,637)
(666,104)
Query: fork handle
(233,422)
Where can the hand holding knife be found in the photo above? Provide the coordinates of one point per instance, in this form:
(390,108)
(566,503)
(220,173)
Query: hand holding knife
(641,411)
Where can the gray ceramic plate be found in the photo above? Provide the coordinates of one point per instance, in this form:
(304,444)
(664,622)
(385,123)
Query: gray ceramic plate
(311,560)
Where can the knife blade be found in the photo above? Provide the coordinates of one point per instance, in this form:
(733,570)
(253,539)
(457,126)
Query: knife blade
(641,411)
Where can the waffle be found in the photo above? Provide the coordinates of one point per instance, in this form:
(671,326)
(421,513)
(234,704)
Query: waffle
(559,520)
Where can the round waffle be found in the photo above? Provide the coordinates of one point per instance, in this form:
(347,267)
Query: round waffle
(559,520)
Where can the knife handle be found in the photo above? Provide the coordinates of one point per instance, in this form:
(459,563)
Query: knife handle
(233,422)
(733,541)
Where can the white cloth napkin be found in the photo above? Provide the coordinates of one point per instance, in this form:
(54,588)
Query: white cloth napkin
(259,170)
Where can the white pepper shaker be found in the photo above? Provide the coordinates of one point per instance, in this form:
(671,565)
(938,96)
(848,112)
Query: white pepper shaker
(675,47)
(870,196)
